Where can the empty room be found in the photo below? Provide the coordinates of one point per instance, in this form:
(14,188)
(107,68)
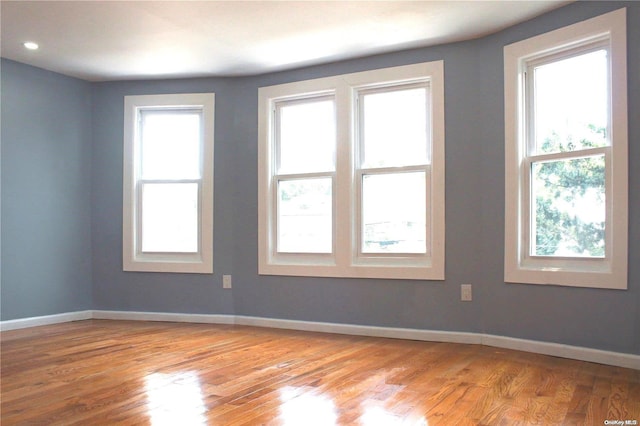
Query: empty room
(320,213)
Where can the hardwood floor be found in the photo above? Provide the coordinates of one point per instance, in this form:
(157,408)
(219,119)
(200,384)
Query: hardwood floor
(121,372)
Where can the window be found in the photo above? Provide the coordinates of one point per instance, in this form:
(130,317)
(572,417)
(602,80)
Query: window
(168,183)
(306,141)
(351,175)
(566,156)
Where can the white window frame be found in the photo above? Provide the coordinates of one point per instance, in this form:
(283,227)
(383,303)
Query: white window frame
(133,257)
(520,266)
(277,177)
(346,259)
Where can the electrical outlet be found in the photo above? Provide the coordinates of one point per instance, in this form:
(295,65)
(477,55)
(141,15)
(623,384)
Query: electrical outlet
(226,281)
(465,293)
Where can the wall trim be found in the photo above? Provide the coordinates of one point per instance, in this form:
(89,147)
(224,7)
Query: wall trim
(45,320)
(164,316)
(363,330)
(545,348)
(560,350)
(579,353)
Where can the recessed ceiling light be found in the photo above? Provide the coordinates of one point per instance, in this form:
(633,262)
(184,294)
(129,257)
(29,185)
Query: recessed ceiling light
(30,45)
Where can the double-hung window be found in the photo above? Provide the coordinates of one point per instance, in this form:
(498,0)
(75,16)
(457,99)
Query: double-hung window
(305,174)
(392,169)
(168,183)
(351,175)
(566,156)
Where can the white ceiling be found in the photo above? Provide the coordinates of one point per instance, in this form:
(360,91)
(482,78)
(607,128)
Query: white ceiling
(113,40)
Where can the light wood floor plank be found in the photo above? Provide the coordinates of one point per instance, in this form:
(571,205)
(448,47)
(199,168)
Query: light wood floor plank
(97,372)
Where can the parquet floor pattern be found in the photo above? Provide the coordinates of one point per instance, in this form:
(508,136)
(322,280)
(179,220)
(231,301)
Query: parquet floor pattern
(99,372)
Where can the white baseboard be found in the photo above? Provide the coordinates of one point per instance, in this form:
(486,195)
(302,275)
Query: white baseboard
(45,320)
(164,316)
(564,351)
(363,330)
(533,346)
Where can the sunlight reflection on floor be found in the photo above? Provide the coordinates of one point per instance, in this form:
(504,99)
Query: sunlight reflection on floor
(300,407)
(174,399)
(306,409)
(378,416)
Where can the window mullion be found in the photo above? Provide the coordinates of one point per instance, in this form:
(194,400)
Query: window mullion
(137,234)
(346,157)
(529,105)
(609,204)
(357,214)
(527,224)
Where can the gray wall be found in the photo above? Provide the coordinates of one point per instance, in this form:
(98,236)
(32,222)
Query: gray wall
(46,164)
(602,319)
(146,291)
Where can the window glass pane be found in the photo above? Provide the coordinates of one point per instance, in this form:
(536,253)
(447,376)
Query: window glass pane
(394,128)
(305,216)
(568,207)
(571,103)
(393,213)
(170,217)
(171,144)
(307,136)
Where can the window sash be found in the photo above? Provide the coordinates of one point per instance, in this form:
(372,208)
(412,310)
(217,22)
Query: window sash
(277,225)
(527,230)
(362,170)
(280,175)
(358,221)
(142,114)
(390,88)
(277,126)
(140,184)
(529,66)
(140,179)
(531,155)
